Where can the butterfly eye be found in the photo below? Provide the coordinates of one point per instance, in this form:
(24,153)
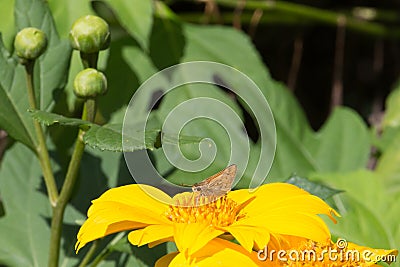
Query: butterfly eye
(196,189)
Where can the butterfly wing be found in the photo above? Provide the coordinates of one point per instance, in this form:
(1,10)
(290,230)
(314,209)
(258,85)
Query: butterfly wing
(217,185)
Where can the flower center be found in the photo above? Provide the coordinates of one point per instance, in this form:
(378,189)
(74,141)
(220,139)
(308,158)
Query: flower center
(222,212)
(314,254)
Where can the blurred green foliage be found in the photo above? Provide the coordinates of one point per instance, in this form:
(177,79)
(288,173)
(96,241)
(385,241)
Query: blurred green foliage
(148,36)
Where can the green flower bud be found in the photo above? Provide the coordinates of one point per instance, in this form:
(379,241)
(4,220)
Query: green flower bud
(89,83)
(30,43)
(90,34)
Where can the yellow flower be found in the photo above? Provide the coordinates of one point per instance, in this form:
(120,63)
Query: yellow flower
(254,219)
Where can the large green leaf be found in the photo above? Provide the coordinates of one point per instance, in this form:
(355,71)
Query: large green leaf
(7,28)
(122,83)
(136,16)
(24,230)
(221,134)
(342,144)
(388,166)
(169,34)
(14,117)
(388,143)
(66,12)
(49,73)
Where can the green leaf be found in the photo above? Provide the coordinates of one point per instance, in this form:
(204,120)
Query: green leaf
(169,33)
(48,119)
(7,28)
(364,204)
(49,74)
(109,137)
(388,166)
(299,148)
(392,113)
(136,16)
(322,191)
(122,83)
(66,12)
(14,117)
(24,229)
(342,144)
(388,143)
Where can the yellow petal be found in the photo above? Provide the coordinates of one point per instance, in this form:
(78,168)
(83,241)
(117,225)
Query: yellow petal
(165,260)
(122,208)
(227,258)
(160,241)
(90,232)
(296,224)
(372,256)
(189,238)
(249,236)
(138,195)
(111,211)
(218,253)
(284,198)
(110,217)
(268,192)
(150,234)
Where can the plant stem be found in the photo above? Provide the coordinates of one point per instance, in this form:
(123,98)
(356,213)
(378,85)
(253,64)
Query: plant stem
(67,188)
(89,112)
(316,14)
(89,254)
(41,148)
(89,60)
(107,250)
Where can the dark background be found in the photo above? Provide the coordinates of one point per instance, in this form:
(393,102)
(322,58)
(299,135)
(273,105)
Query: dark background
(311,56)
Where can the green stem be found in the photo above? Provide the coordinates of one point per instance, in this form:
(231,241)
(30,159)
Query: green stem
(100,258)
(41,149)
(89,60)
(89,112)
(89,254)
(65,194)
(317,14)
(107,251)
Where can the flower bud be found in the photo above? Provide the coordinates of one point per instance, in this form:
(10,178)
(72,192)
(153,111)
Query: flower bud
(89,83)
(90,34)
(30,43)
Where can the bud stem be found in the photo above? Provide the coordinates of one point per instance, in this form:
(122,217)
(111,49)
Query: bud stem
(89,113)
(89,60)
(41,148)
